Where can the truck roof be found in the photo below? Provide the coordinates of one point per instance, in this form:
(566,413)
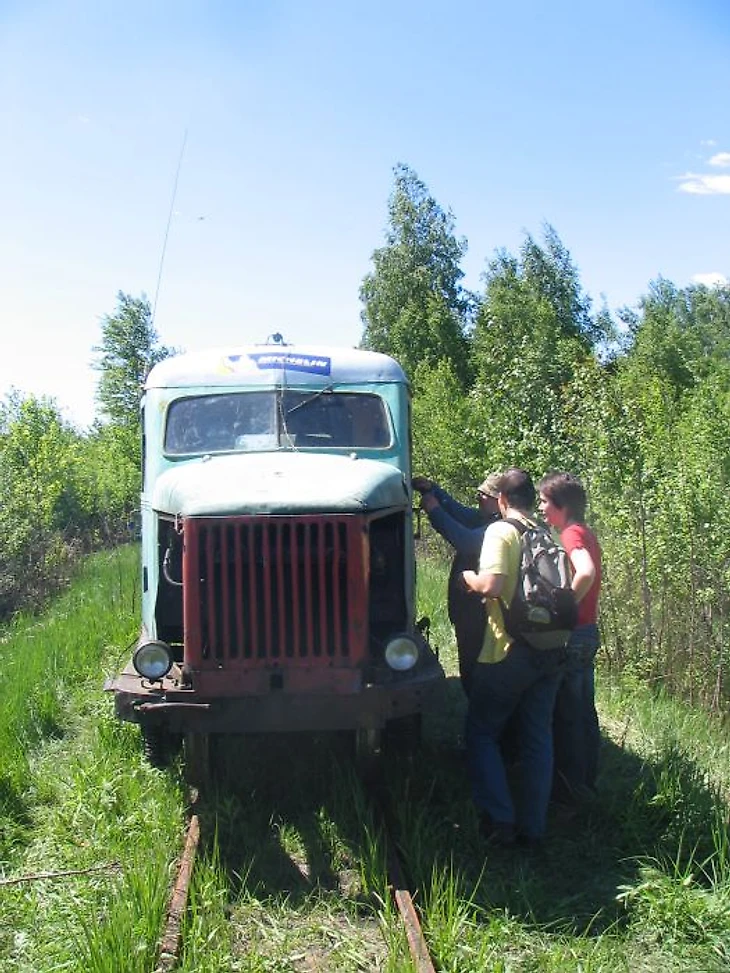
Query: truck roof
(271,364)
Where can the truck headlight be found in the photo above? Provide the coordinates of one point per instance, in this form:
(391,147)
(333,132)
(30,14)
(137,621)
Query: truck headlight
(401,653)
(152,659)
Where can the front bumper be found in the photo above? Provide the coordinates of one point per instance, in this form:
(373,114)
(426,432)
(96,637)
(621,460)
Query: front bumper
(346,702)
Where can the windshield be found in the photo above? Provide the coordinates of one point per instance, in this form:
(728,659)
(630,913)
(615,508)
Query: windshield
(259,421)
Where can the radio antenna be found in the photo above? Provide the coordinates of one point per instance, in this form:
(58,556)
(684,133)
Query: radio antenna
(167,228)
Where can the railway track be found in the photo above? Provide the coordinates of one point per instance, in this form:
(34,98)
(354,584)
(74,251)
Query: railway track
(171,940)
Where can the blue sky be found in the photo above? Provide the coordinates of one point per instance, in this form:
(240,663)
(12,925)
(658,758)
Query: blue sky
(608,120)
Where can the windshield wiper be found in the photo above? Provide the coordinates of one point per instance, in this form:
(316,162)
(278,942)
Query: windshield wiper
(311,398)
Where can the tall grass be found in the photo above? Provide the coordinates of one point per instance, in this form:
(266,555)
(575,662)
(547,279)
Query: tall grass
(638,881)
(44,659)
(291,873)
(77,798)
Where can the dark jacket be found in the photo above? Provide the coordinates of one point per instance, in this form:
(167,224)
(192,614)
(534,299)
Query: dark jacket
(463,527)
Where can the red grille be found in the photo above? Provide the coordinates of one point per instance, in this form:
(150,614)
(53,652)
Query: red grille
(262,590)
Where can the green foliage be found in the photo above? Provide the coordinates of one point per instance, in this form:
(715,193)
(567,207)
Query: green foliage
(533,331)
(127,352)
(63,493)
(441,419)
(414,307)
(113,477)
(40,660)
(38,461)
(42,502)
(291,869)
(642,417)
(655,447)
(550,276)
(681,334)
(540,382)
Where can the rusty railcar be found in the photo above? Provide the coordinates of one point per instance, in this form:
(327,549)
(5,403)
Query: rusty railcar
(278,568)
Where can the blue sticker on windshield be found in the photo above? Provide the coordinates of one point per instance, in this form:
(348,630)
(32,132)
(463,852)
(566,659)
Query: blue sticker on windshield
(315,364)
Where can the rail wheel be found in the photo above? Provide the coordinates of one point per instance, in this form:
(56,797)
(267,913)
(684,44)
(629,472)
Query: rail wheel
(368,749)
(198,753)
(404,733)
(159,745)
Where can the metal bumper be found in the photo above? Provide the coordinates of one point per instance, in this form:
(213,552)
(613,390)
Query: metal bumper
(183,711)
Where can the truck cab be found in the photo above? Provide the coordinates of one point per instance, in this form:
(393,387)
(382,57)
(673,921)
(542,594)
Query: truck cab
(278,568)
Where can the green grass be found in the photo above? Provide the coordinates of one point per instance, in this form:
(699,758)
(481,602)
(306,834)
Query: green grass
(81,799)
(639,882)
(291,872)
(43,660)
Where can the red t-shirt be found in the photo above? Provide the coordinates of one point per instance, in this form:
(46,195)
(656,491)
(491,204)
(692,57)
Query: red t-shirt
(580,536)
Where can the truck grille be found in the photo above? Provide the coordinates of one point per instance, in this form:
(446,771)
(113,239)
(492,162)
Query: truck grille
(287,590)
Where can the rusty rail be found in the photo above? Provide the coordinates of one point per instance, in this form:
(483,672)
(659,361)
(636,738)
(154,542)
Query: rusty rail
(172,936)
(399,887)
(170,943)
(404,901)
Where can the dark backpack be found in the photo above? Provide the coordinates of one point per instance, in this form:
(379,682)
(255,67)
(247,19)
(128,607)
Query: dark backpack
(543,611)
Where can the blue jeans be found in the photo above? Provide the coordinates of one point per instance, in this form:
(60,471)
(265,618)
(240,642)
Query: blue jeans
(525,683)
(576,734)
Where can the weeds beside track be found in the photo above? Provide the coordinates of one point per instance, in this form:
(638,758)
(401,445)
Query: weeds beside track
(291,872)
(402,897)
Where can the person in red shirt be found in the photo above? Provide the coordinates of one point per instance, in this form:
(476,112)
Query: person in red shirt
(576,733)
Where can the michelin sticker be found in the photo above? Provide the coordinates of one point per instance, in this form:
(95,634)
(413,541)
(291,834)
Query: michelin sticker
(315,364)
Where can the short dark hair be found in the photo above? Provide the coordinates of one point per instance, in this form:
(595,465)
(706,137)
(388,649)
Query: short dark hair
(567,493)
(517,486)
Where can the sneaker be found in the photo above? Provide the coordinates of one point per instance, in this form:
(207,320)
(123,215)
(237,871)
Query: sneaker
(499,833)
(529,842)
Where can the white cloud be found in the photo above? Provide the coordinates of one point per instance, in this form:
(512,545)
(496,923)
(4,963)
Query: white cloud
(710,280)
(707,183)
(703,184)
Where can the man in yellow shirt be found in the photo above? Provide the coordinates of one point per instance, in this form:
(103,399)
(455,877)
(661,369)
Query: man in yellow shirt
(510,678)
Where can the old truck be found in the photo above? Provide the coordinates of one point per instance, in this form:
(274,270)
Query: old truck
(278,569)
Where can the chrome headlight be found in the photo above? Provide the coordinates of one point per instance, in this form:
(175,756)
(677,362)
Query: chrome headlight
(401,653)
(153,659)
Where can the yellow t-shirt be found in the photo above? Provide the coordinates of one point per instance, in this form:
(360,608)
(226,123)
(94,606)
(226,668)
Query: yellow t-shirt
(500,555)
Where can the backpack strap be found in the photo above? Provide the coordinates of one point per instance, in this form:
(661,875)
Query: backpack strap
(521,528)
(516,523)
